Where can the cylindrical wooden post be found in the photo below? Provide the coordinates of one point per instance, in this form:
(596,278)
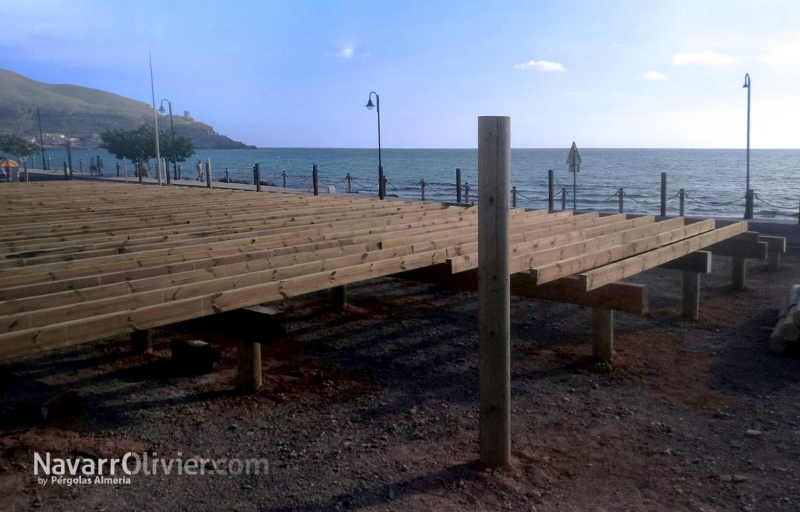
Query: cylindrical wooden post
(248,356)
(349,183)
(314,180)
(738,273)
(621,194)
(66,172)
(339,296)
(550,183)
(166,171)
(49,165)
(257,170)
(603,334)
(563,198)
(691,295)
(748,204)
(142,341)
(681,195)
(494,299)
(26,170)
(139,171)
(663,194)
(284,179)
(458,185)
(466,192)
(208,173)
(80,165)
(384,181)
(422,186)
(513,197)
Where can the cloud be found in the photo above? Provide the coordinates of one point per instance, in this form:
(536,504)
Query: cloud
(654,76)
(704,58)
(542,65)
(345,52)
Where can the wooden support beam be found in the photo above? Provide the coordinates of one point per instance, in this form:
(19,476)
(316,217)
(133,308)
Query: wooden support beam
(776,245)
(494,302)
(339,297)
(691,295)
(697,262)
(248,356)
(603,334)
(621,296)
(738,273)
(745,245)
(142,341)
(594,279)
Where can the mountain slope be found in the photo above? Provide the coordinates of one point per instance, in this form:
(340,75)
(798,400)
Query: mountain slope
(82,112)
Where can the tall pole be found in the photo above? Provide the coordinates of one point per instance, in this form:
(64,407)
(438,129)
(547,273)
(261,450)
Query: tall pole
(381,191)
(494,297)
(172,135)
(155,117)
(748,209)
(41,137)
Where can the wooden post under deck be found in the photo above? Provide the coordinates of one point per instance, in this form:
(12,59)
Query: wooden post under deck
(248,356)
(738,273)
(691,295)
(142,341)
(339,296)
(603,334)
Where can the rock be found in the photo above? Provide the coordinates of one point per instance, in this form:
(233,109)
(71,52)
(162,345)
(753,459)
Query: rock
(726,478)
(739,478)
(753,433)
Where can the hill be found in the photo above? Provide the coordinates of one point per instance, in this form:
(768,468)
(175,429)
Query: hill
(82,113)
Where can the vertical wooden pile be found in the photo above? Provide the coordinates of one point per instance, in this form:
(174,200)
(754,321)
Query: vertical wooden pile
(787,330)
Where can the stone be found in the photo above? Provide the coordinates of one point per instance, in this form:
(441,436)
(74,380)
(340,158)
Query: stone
(753,433)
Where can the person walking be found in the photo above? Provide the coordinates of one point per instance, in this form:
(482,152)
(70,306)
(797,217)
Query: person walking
(92,167)
(99,166)
(199,168)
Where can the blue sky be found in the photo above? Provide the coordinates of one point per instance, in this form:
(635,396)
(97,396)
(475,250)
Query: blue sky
(282,74)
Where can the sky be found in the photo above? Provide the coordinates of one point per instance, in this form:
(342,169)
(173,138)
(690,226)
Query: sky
(611,73)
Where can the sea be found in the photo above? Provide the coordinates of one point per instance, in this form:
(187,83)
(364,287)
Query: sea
(714,180)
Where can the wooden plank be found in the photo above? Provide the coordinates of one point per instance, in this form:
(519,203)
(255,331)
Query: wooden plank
(589,260)
(594,279)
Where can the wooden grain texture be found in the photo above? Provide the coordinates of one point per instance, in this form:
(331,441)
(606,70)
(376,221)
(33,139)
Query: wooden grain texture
(85,260)
(494,299)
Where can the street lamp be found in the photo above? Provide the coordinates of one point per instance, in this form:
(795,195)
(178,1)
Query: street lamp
(172,130)
(41,137)
(748,201)
(370,106)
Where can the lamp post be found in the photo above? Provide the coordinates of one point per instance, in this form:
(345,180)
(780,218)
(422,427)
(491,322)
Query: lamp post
(41,137)
(370,106)
(748,201)
(172,133)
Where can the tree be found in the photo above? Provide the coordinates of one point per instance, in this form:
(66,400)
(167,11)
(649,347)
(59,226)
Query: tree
(140,144)
(17,146)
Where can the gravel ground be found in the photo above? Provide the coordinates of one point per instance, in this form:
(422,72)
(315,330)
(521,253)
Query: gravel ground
(375,408)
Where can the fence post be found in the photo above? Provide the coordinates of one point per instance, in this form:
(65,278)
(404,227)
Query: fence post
(513,197)
(26,169)
(384,181)
(466,193)
(349,183)
(139,171)
(166,171)
(314,179)
(663,194)
(681,195)
(621,194)
(284,179)
(66,172)
(563,198)
(49,165)
(422,186)
(258,177)
(748,204)
(494,298)
(208,173)
(550,190)
(458,185)
(80,165)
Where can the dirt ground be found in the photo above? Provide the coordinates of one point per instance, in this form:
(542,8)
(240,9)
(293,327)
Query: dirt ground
(376,409)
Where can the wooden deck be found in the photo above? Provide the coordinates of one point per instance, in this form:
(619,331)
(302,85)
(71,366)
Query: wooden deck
(85,260)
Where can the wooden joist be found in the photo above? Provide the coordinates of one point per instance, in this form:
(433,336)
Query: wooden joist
(81,261)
